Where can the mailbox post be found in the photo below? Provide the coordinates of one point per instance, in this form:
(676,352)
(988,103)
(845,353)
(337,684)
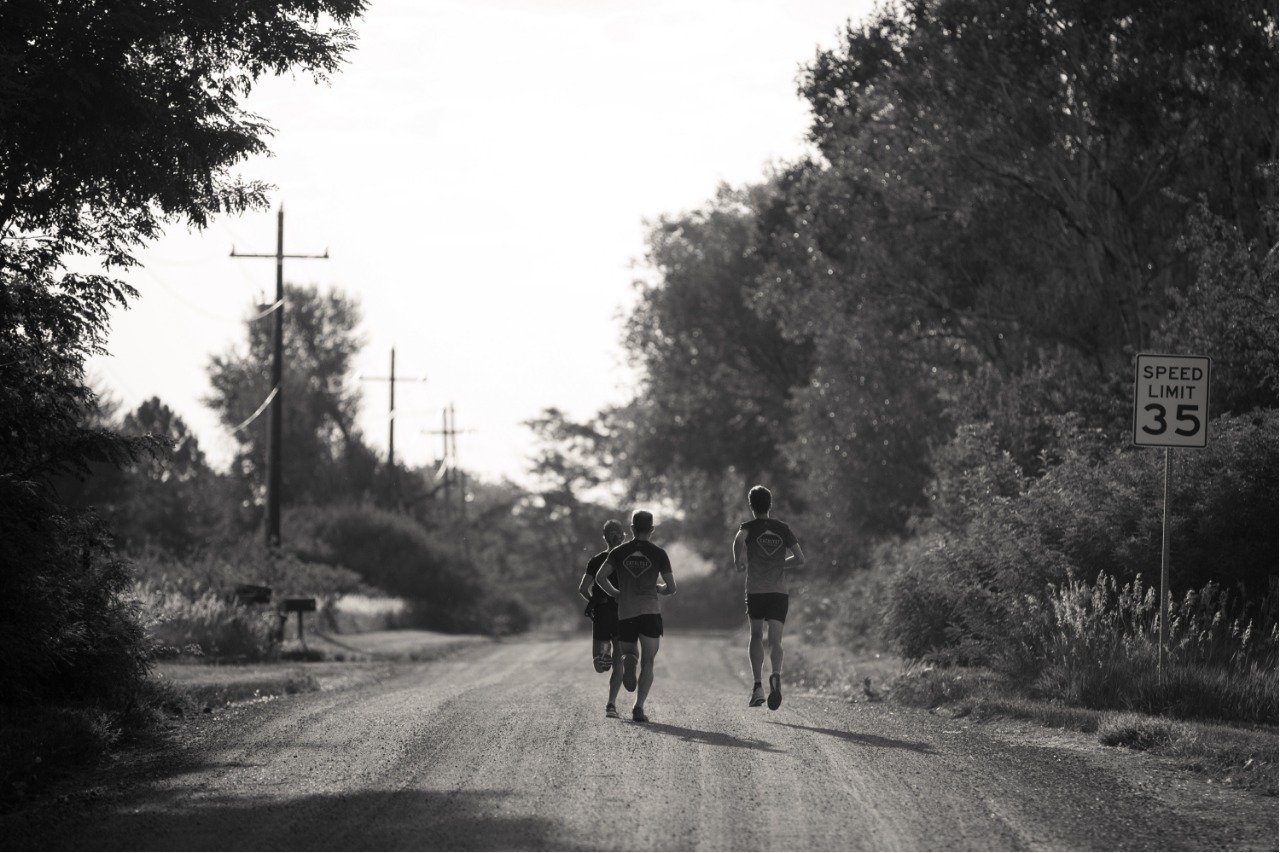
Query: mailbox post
(299,605)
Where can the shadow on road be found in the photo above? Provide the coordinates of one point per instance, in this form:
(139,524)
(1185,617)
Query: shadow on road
(364,820)
(866,740)
(712,738)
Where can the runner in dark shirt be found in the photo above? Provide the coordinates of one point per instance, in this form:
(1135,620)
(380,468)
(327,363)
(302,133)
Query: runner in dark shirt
(761,550)
(606,652)
(637,567)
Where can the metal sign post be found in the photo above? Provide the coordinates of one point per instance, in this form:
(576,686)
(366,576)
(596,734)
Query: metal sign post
(1170,409)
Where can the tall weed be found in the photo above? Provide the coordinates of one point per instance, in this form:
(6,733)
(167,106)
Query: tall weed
(206,624)
(1101,649)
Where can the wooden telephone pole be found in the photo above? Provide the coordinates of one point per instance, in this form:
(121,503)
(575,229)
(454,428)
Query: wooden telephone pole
(392,379)
(275,432)
(450,472)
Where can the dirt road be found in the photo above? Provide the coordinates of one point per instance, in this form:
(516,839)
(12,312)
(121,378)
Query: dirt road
(507,747)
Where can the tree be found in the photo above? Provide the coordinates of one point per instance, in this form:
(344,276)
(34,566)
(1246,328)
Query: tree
(173,501)
(325,457)
(572,465)
(113,120)
(710,417)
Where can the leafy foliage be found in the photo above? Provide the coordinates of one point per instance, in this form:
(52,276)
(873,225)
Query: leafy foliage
(327,458)
(112,120)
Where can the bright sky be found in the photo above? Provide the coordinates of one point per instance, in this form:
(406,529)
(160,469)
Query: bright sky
(481,172)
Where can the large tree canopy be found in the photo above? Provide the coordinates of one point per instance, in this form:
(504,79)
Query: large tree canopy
(115,116)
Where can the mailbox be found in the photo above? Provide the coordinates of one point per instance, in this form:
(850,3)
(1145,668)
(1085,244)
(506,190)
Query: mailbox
(247,593)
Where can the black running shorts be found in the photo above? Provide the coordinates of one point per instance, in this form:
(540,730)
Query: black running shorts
(604,624)
(649,624)
(767,605)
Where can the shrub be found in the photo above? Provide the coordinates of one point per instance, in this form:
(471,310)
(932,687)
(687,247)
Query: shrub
(976,594)
(247,562)
(392,552)
(1135,731)
(37,741)
(849,613)
(207,624)
(69,634)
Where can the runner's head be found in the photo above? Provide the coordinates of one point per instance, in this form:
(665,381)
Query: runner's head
(760,499)
(613,533)
(641,523)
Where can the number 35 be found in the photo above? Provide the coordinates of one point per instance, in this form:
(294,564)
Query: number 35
(1185,414)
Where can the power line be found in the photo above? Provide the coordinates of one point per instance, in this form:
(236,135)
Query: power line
(259,411)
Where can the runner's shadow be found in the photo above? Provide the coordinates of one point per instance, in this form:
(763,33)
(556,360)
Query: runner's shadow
(866,740)
(711,738)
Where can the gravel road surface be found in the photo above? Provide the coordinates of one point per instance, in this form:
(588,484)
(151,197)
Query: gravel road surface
(506,747)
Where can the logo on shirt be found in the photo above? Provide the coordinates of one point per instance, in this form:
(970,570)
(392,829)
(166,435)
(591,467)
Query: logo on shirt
(769,542)
(637,564)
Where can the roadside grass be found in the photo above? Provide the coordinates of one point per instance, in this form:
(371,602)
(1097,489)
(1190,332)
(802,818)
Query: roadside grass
(209,686)
(1188,691)
(837,671)
(1244,758)
(1239,755)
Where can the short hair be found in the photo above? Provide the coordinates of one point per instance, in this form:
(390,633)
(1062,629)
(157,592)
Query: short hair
(613,526)
(760,499)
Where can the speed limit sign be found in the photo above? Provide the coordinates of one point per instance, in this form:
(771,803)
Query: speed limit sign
(1171,401)
(1170,409)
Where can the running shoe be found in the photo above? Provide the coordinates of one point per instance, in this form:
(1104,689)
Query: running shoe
(757,698)
(637,714)
(629,672)
(775,691)
(610,711)
(603,663)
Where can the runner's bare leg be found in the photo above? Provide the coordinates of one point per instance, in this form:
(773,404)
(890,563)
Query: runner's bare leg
(775,648)
(648,652)
(757,648)
(615,674)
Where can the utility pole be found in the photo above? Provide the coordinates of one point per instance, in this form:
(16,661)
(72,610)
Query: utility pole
(448,461)
(275,437)
(391,408)
(449,472)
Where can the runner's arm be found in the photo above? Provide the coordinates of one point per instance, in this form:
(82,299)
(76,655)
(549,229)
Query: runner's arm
(584,585)
(602,581)
(795,560)
(740,551)
(669,582)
